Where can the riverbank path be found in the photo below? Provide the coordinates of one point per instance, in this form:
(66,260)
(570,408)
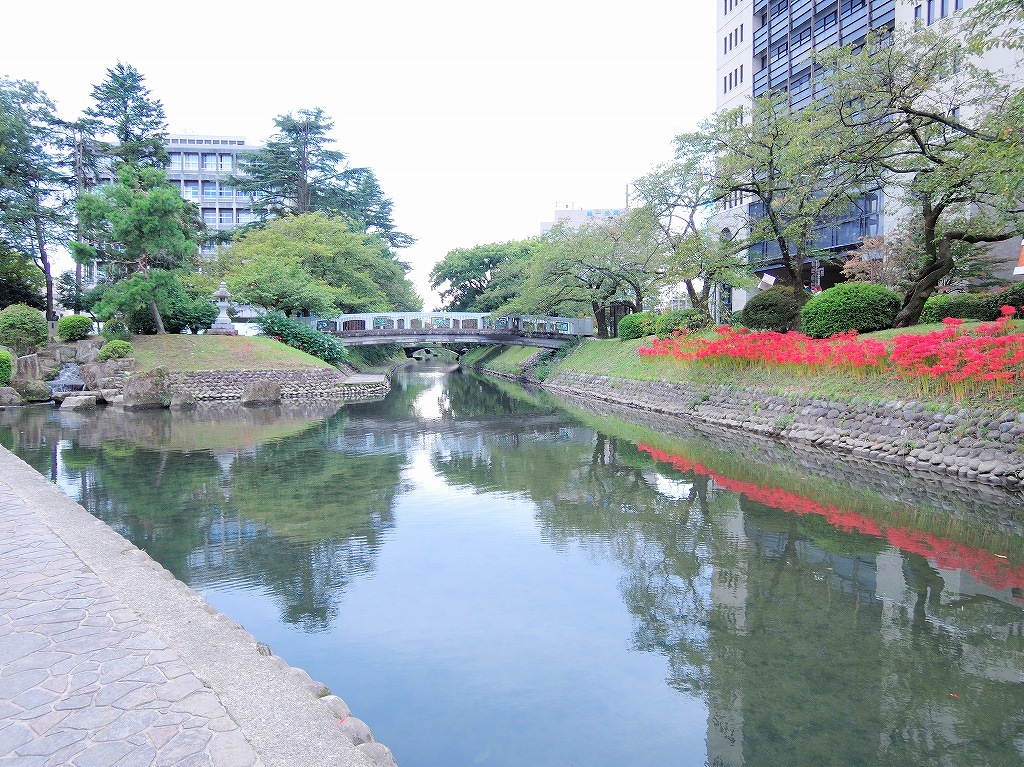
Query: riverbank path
(106,661)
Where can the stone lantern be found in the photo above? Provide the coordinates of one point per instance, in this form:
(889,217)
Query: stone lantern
(222,326)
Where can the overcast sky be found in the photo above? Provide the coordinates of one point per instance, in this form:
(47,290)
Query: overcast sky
(477,121)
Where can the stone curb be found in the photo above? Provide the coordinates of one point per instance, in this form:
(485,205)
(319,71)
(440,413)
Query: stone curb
(282,712)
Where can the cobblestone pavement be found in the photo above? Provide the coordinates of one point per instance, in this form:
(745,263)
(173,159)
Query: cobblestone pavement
(83,681)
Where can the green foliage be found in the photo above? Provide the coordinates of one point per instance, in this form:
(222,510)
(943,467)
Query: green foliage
(773,309)
(116,350)
(968,306)
(23,328)
(125,111)
(325,259)
(636,325)
(20,281)
(303,337)
(466,273)
(133,299)
(74,327)
(680,319)
(6,367)
(860,306)
(116,330)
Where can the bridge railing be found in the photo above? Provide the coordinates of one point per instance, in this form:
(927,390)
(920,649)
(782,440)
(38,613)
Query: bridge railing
(429,323)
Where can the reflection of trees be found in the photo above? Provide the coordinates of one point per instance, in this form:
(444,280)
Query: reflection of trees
(296,515)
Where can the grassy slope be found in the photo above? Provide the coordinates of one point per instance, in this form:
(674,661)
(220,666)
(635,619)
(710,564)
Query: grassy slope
(619,359)
(187,352)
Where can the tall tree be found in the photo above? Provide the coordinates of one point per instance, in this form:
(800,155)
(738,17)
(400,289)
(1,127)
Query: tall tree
(297,171)
(678,196)
(34,184)
(129,117)
(20,281)
(945,134)
(138,224)
(465,274)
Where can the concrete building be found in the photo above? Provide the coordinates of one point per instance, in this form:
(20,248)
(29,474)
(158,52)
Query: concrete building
(577,217)
(200,165)
(765,45)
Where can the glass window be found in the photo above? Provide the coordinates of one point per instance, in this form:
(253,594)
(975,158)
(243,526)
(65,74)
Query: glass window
(191,190)
(209,216)
(209,190)
(227,216)
(245,217)
(174,161)
(191,161)
(226,162)
(209,162)
(931,11)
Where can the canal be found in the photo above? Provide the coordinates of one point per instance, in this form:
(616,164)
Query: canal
(490,576)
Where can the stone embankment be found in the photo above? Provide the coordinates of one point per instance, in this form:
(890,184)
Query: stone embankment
(977,445)
(108,661)
(295,384)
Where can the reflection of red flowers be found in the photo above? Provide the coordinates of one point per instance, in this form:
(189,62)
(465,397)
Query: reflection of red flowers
(945,553)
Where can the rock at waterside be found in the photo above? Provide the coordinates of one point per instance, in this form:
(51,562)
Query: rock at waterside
(87,350)
(145,392)
(337,706)
(378,754)
(78,402)
(356,730)
(183,400)
(9,396)
(261,393)
(107,395)
(27,367)
(32,390)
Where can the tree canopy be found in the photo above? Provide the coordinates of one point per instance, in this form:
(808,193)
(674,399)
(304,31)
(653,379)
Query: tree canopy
(132,121)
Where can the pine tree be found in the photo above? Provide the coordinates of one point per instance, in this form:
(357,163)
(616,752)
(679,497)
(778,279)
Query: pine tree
(125,112)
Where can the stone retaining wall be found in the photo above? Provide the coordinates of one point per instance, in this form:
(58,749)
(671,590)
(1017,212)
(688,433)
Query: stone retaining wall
(295,384)
(971,444)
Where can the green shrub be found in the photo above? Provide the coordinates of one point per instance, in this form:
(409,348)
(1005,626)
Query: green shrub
(116,330)
(680,319)
(116,350)
(6,367)
(860,306)
(772,309)
(302,337)
(74,327)
(23,328)
(967,306)
(636,325)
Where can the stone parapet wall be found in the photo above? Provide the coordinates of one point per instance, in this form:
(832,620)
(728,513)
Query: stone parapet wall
(295,384)
(971,444)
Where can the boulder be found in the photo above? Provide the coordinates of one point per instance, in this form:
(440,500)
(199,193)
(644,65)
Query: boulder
(9,396)
(261,393)
(64,353)
(32,389)
(183,400)
(356,730)
(107,395)
(378,754)
(78,401)
(27,367)
(87,350)
(145,392)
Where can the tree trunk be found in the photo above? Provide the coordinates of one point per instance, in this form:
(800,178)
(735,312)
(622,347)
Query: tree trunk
(600,315)
(939,265)
(157,319)
(44,265)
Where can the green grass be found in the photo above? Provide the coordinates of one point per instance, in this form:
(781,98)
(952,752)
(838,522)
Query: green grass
(503,359)
(185,353)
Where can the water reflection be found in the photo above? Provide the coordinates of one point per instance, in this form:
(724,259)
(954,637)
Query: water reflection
(792,622)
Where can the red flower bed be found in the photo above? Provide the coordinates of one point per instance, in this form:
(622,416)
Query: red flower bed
(946,554)
(987,358)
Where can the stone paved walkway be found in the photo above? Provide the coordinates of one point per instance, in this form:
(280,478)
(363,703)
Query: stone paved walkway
(83,682)
(106,660)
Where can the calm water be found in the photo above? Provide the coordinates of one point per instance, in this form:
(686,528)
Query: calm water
(489,578)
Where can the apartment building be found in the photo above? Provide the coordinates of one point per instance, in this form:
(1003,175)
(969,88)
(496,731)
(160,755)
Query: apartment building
(201,165)
(766,45)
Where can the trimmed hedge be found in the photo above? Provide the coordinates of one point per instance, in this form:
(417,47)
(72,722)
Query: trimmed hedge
(973,306)
(772,309)
(636,325)
(74,327)
(680,319)
(6,367)
(23,328)
(302,337)
(860,306)
(116,350)
(116,330)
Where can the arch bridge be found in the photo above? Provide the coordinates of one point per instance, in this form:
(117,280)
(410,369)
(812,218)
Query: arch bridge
(419,328)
